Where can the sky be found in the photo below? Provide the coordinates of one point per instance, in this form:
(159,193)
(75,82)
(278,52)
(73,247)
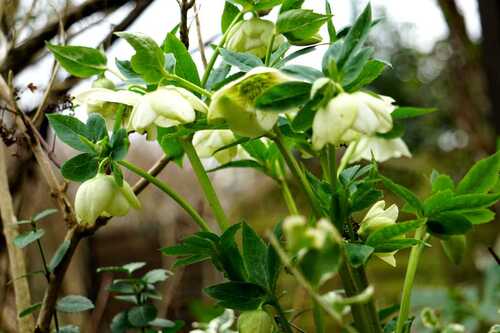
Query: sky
(426,22)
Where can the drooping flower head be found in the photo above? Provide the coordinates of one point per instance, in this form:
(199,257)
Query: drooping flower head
(253,36)
(368,147)
(102,196)
(235,102)
(208,142)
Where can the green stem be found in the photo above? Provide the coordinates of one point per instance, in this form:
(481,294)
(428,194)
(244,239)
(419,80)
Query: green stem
(285,325)
(270,49)
(319,321)
(285,190)
(118,118)
(206,184)
(416,251)
(186,84)
(169,191)
(45,269)
(298,173)
(216,53)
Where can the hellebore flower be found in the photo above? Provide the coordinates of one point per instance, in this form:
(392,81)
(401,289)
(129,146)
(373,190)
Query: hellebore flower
(255,321)
(253,36)
(165,107)
(300,235)
(347,116)
(376,218)
(102,196)
(381,149)
(235,102)
(207,142)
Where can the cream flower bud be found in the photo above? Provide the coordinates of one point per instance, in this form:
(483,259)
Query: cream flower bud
(294,228)
(103,82)
(381,149)
(256,321)
(376,218)
(348,116)
(165,107)
(235,102)
(207,142)
(253,36)
(101,196)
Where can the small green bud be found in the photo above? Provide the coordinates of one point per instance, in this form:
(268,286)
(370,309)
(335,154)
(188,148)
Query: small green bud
(429,318)
(103,82)
(454,247)
(256,321)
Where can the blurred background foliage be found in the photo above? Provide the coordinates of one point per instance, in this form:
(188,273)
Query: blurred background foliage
(458,75)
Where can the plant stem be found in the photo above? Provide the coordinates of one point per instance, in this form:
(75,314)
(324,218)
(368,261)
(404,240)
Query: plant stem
(45,269)
(297,172)
(206,184)
(319,321)
(285,190)
(118,118)
(285,325)
(170,192)
(269,49)
(186,84)
(216,53)
(416,251)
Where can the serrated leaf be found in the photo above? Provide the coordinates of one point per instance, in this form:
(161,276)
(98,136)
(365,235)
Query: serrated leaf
(237,295)
(482,177)
(80,168)
(389,232)
(27,238)
(141,316)
(283,96)
(255,257)
(149,60)
(244,61)
(59,255)
(74,303)
(79,61)
(185,66)
(69,129)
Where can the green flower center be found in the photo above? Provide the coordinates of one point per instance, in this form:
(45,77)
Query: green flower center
(254,86)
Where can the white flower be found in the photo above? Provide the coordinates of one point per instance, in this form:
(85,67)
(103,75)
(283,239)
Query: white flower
(166,106)
(376,218)
(101,196)
(207,142)
(253,36)
(381,149)
(221,324)
(235,102)
(347,116)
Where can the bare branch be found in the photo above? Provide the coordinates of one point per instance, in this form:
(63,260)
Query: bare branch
(200,36)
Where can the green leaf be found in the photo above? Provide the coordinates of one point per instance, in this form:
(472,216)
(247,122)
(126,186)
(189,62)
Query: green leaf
(291,4)
(448,223)
(120,323)
(119,144)
(355,65)
(237,295)
(114,269)
(482,177)
(244,61)
(283,96)
(364,197)
(264,5)
(44,214)
(30,309)
(141,316)
(156,275)
(149,60)
(125,68)
(320,265)
(163,323)
(389,232)
(59,255)
(96,126)
(133,266)
(441,182)
(358,254)
(404,112)
(79,61)
(304,119)
(69,129)
(241,164)
(27,238)
(395,244)
(229,255)
(122,287)
(172,147)
(228,15)
(304,72)
(300,26)
(478,216)
(74,303)
(80,168)
(454,248)
(69,329)
(371,70)
(217,75)
(459,202)
(185,66)
(274,264)
(255,257)
(403,193)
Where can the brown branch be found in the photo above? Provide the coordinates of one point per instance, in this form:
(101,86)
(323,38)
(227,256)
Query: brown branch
(185,6)
(16,256)
(154,171)
(200,36)
(21,56)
